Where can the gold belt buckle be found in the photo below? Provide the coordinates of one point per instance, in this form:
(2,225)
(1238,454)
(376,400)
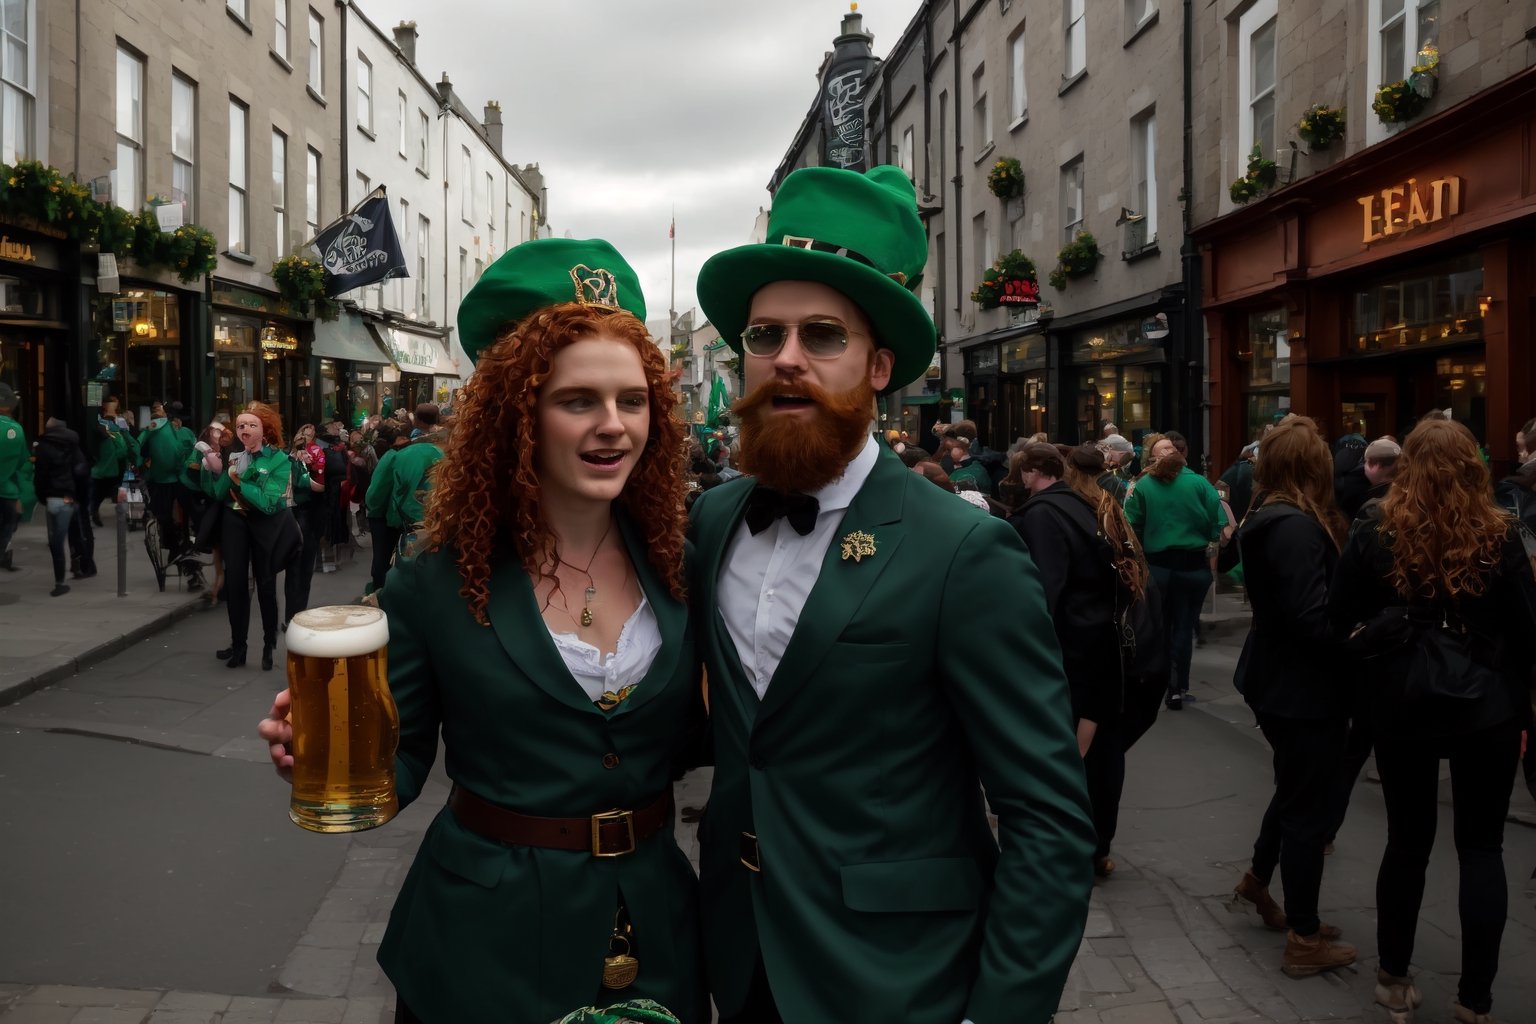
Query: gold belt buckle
(598,820)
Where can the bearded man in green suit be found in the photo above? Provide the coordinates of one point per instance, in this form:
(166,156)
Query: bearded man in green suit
(848,870)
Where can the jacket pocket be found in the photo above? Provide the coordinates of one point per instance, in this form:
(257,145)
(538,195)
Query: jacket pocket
(460,852)
(926,885)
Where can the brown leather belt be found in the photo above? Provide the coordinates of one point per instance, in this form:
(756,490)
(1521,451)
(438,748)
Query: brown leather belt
(609,834)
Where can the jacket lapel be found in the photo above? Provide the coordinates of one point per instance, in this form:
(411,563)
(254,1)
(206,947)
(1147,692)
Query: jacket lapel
(514,615)
(843,583)
(728,679)
(671,620)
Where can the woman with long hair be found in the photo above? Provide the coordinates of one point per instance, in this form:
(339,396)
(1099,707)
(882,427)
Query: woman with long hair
(539,624)
(1439,568)
(1288,674)
(1176,514)
(1090,567)
(257,532)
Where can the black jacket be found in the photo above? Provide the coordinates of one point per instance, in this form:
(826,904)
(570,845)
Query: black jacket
(60,463)
(1062,534)
(1289,663)
(1239,481)
(1353,489)
(1501,619)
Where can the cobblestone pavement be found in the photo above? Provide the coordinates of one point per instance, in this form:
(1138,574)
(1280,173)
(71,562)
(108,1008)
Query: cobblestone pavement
(1162,946)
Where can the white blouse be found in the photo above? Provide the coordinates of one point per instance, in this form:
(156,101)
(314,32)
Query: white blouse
(597,673)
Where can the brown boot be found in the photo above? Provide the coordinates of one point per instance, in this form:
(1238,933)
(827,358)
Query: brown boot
(1305,957)
(1461,1015)
(1398,994)
(1253,891)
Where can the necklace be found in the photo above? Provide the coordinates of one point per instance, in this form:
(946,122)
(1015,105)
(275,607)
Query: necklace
(591,591)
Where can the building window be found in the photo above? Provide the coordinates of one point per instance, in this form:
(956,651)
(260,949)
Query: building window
(1144,179)
(463,272)
(1076,41)
(280,190)
(423,154)
(943,139)
(364,94)
(467,185)
(239,170)
(280,30)
(1400,30)
(316,53)
(1267,383)
(184,145)
(398,284)
(1256,80)
(905,157)
(1071,200)
(981,121)
(403,109)
(423,266)
(241,8)
(17,88)
(1018,95)
(128,190)
(981,231)
(364,187)
(312,192)
(1137,12)
(479,268)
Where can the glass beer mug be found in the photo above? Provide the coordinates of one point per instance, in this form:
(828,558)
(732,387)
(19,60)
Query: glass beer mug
(345,726)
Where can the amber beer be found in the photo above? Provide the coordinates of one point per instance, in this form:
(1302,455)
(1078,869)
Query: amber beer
(345,727)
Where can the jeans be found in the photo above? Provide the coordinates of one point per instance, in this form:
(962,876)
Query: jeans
(1183,593)
(82,539)
(1307,757)
(60,512)
(1482,778)
(10,518)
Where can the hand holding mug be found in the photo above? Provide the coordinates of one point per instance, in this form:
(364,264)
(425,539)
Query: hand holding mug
(278,733)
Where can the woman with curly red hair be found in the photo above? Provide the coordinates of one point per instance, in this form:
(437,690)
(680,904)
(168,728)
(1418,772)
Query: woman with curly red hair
(539,625)
(1437,576)
(257,533)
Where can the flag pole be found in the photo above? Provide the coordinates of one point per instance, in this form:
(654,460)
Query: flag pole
(672,309)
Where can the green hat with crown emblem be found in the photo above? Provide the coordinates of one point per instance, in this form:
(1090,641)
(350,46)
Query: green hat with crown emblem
(545,272)
(858,233)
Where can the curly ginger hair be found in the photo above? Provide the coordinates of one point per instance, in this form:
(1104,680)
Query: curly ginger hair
(485,491)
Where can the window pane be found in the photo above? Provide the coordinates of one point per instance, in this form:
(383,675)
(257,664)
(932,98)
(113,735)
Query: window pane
(312,191)
(316,78)
(237,240)
(16,122)
(237,135)
(1264,59)
(1392,52)
(280,30)
(14,17)
(1018,97)
(1390,9)
(364,93)
(130,95)
(182,184)
(183,118)
(1429,24)
(16,70)
(1264,124)
(126,190)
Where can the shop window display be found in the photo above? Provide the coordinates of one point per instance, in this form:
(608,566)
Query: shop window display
(137,355)
(1437,305)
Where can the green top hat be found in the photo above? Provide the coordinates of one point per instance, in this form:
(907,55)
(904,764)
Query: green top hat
(858,233)
(545,272)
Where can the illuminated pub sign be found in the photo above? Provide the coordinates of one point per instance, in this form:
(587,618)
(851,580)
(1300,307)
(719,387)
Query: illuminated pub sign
(1412,204)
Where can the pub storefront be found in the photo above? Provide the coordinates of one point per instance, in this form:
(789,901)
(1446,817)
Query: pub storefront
(1007,382)
(139,351)
(261,352)
(1393,283)
(1116,373)
(33,326)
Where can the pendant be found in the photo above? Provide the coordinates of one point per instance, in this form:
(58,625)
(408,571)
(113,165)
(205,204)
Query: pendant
(620,969)
(586,616)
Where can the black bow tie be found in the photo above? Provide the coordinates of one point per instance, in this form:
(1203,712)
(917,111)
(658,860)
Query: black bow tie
(765,504)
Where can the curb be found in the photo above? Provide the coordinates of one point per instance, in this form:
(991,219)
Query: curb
(10,693)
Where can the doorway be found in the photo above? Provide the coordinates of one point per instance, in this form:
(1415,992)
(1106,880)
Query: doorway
(1391,397)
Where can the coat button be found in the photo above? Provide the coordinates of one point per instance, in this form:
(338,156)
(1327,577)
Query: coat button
(610,760)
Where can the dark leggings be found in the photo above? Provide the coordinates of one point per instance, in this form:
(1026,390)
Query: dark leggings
(1104,768)
(1183,592)
(301,574)
(385,538)
(242,555)
(1308,754)
(1482,777)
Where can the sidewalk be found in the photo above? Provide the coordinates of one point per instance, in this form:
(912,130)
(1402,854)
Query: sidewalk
(44,639)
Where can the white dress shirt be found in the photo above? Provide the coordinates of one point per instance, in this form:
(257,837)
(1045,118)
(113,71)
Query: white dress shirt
(598,673)
(766,579)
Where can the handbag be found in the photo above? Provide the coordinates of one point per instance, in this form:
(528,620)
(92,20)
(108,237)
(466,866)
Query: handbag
(1433,650)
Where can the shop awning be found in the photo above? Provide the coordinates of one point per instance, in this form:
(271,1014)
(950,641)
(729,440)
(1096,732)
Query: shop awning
(418,353)
(348,337)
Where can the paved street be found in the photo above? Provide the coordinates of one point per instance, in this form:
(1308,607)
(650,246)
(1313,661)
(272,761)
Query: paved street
(151,874)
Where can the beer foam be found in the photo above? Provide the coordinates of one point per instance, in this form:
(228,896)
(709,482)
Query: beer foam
(338,631)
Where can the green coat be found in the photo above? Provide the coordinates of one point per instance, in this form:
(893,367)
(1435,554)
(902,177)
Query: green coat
(165,450)
(14,454)
(381,488)
(263,485)
(975,472)
(409,482)
(882,895)
(485,932)
(111,451)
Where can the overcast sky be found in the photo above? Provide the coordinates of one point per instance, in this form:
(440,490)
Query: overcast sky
(635,107)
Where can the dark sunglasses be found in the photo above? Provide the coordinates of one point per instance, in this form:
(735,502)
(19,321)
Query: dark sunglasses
(819,339)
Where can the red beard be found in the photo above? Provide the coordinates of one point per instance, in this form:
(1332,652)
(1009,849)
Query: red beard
(803,453)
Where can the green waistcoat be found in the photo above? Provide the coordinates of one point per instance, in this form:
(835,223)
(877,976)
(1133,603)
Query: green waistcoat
(263,485)
(486,932)
(882,894)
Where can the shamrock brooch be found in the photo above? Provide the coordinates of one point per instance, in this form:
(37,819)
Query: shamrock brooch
(857,545)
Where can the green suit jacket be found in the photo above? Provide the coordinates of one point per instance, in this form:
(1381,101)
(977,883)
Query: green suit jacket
(882,894)
(486,932)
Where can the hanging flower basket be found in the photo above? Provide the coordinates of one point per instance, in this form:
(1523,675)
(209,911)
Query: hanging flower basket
(1077,258)
(1262,174)
(1401,101)
(1321,126)
(1011,281)
(1006,179)
(299,279)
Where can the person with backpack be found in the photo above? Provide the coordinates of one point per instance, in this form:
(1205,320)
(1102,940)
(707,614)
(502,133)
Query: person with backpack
(1091,568)
(1288,674)
(1433,593)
